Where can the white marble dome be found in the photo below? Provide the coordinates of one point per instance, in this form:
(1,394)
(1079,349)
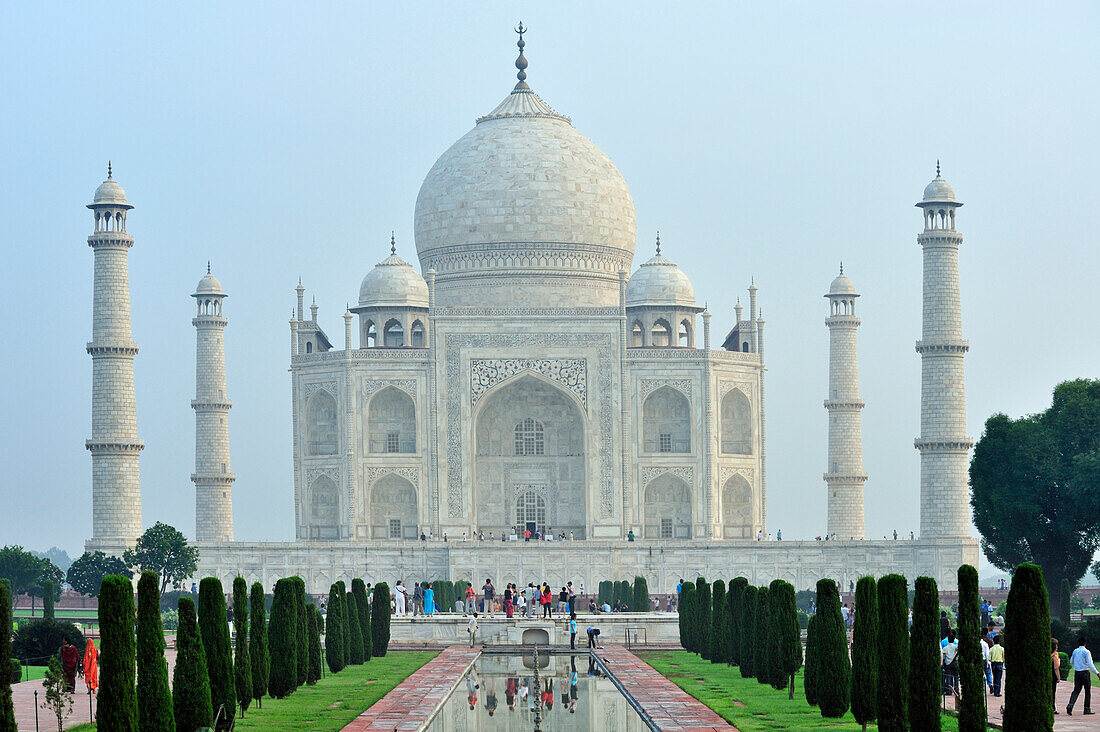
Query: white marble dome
(842,286)
(209,285)
(109,193)
(525,198)
(393,282)
(939,190)
(659,282)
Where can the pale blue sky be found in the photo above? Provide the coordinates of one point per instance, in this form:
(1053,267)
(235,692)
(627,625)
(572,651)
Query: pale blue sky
(766,139)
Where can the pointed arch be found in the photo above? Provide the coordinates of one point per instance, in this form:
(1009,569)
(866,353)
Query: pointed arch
(667,506)
(393,508)
(637,335)
(323,504)
(661,333)
(737,513)
(322,433)
(391,422)
(666,422)
(393,335)
(736,423)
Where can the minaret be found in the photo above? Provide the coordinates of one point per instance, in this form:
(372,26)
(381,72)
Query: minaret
(943,444)
(844,476)
(213,476)
(116,476)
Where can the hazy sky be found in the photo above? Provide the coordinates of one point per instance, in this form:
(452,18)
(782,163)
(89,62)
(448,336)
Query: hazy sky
(766,139)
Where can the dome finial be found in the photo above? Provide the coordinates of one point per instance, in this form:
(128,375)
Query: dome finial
(842,267)
(937,167)
(208,266)
(658,242)
(521,62)
(393,244)
(108,170)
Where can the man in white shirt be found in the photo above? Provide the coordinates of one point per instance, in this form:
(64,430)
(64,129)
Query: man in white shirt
(471,628)
(949,654)
(399,597)
(1083,668)
(985,660)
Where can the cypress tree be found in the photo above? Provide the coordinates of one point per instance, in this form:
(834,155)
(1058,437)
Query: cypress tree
(7,708)
(702,617)
(734,606)
(357,656)
(313,674)
(334,634)
(972,717)
(686,609)
(834,667)
(345,619)
(242,661)
(748,628)
(214,626)
(925,667)
(892,709)
(258,657)
(362,610)
(191,701)
(788,644)
(865,652)
(282,641)
(154,700)
(760,637)
(380,619)
(719,618)
(1027,653)
(641,595)
(809,676)
(48,599)
(302,627)
(117,709)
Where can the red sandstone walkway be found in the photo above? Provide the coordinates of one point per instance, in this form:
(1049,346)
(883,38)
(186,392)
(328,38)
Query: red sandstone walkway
(413,702)
(670,707)
(1062,723)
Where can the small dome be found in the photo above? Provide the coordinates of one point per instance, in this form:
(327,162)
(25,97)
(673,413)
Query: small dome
(209,285)
(842,286)
(393,282)
(939,191)
(109,193)
(659,282)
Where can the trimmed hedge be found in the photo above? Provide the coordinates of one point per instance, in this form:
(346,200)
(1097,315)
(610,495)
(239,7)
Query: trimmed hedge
(786,655)
(258,657)
(242,660)
(313,673)
(893,649)
(214,626)
(380,619)
(834,667)
(640,603)
(925,667)
(362,616)
(357,656)
(702,618)
(282,641)
(345,619)
(972,715)
(191,703)
(865,653)
(302,628)
(1027,653)
(748,630)
(686,610)
(334,634)
(760,637)
(7,709)
(809,676)
(116,709)
(719,619)
(603,595)
(39,638)
(154,700)
(733,606)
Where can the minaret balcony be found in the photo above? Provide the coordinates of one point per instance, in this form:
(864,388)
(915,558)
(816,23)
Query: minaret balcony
(111,349)
(202,405)
(845,404)
(845,477)
(103,445)
(958,444)
(215,479)
(945,347)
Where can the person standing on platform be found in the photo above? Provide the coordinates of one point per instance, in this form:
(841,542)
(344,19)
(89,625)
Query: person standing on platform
(489,593)
(471,600)
(471,628)
(400,595)
(429,599)
(572,631)
(997,662)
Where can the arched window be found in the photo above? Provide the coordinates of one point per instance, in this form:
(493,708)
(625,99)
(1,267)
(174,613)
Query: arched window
(309,346)
(530,508)
(370,335)
(393,508)
(661,334)
(667,508)
(394,334)
(417,334)
(745,346)
(737,513)
(321,432)
(685,334)
(666,422)
(530,438)
(324,509)
(636,335)
(391,422)
(736,415)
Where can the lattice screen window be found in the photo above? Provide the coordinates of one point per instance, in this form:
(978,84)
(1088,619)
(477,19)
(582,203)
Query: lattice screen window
(665,442)
(666,528)
(395,528)
(393,442)
(530,438)
(530,507)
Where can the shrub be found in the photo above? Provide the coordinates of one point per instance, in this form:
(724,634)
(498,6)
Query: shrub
(313,672)
(748,629)
(834,667)
(15,673)
(47,599)
(258,659)
(302,628)
(380,619)
(790,636)
(170,619)
(893,649)
(803,620)
(334,634)
(214,626)
(641,596)
(702,618)
(1027,653)
(925,669)
(191,700)
(242,660)
(809,676)
(282,641)
(719,618)
(760,637)
(1064,666)
(865,652)
(345,619)
(56,698)
(1065,635)
(972,716)
(154,700)
(733,606)
(171,600)
(116,708)
(603,595)
(357,656)
(362,611)
(40,638)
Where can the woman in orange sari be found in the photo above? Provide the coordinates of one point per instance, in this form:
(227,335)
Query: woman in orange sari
(91,666)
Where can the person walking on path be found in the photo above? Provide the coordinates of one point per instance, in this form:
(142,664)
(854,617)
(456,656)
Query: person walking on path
(1082,668)
(70,663)
(489,593)
(997,661)
(572,631)
(949,655)
(1056,665)
(471,628)
(429,599)
(471,600)
(91,666)
(400,595)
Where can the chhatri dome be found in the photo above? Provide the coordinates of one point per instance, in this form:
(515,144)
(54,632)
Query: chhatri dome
(842,285)
(939,190)
(659,282)
(393,282)
(524,203)
(109,193)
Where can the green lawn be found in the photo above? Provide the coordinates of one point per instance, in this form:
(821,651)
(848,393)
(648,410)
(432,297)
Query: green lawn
(36,672)
(745,703)
(25,612)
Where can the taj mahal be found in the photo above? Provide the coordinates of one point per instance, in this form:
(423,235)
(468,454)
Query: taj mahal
(530,375)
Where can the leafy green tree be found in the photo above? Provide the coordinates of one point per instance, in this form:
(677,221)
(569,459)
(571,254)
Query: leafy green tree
(686,609)
(154,700)
(116,708)
(362,610)
(88,571)
(702,617)
(214,626)
(242,658)
(893,647)
(164,550)
(865,653)
(786,653)
(925,674)
(1027,654)
(282,640)
(191,703)
(380,619)
(760,637)
(1065,594)
(747,641)
(49,581)
(258,658)
(47,599)
(719,618)
(334,634)
(641,595)
(834,667)
(357,656)
(809,676)
(733,606)
(1035,487)
(57,698)
(21,569)
(313,673)
(7,709)
(972,715)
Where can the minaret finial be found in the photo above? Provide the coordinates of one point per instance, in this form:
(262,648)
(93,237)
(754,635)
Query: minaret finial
(658,242)
(521,62)
(393,244)
(937,167)
(108,170)
(208,266)
(842,267)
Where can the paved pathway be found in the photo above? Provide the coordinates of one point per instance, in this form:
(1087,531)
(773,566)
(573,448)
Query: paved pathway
(669,706)
(412,702)
(1062,723)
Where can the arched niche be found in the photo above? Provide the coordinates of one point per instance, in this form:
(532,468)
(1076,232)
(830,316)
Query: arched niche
(393,335)
(322,434)
(667,508)
(323,505)
(391,422)
(737,511)
(666,422)
(661,333)
(393,509)
(530,448)
(736,423)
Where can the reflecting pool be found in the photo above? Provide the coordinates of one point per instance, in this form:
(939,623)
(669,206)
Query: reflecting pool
(503,692)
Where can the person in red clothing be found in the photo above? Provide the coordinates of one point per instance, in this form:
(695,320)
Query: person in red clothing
(70,664)
(547,600)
